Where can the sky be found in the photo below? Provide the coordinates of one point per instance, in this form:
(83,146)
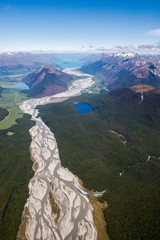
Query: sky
(27,25)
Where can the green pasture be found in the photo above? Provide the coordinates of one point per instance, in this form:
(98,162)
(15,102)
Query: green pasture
(9,100)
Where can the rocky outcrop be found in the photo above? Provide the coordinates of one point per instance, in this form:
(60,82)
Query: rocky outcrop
(145,88)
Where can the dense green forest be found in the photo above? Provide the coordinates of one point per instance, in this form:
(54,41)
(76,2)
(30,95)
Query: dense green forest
(3,113)
(15,173)
(102,160)
(1,90)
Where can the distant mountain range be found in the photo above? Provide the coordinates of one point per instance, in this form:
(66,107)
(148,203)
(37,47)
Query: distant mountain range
(124,69)
(24,62)
(12,63)
(46,81)
(25,58)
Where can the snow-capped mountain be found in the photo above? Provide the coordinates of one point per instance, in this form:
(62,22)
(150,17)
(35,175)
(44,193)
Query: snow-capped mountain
(124,69)
(125,54)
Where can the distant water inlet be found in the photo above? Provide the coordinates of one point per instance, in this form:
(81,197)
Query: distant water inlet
(18,85)
(83,108)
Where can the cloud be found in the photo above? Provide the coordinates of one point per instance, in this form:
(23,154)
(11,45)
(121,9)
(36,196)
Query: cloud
(117,49)
(149,47)
(146,47)
(127,48)
(103,49)
(141,49)
(154,32)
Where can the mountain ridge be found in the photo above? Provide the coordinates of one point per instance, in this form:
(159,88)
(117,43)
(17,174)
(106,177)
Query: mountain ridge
(46,81)
(124,70)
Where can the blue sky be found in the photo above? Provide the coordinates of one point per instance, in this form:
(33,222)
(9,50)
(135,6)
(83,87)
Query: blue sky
(76,25)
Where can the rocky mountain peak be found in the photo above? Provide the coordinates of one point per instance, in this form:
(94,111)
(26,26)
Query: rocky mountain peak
(47,81)
(126,54)
(125,69)
(46,69)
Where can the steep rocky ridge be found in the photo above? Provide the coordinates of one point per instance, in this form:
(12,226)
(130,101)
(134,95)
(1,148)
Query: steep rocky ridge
(46,81)
(124,69)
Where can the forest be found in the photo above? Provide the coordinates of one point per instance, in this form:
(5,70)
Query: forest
(90,149)
(15,173)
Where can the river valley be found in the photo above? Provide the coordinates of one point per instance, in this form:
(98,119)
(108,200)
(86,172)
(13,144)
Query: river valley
(57,207)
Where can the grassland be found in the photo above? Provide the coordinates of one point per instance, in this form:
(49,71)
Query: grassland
(9,100)
(91,151)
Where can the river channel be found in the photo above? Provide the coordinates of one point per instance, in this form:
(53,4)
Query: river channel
(57,207)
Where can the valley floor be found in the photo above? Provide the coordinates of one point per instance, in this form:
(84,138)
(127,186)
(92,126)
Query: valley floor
(57,207)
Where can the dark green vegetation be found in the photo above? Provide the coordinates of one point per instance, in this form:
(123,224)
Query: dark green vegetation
(3,113)
(15,173)
(97,156)
(1,90)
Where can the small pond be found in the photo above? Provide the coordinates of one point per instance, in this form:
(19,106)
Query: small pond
(83,108)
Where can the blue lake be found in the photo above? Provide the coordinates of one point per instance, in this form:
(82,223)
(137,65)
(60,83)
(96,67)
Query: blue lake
(70,60)
(83,108)
(19,85)
(70,63)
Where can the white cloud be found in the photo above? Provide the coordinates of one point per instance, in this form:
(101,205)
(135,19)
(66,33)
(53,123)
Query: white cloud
(154,32)
(151,48)
(141,49)
(127,48)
